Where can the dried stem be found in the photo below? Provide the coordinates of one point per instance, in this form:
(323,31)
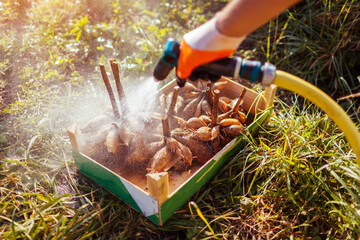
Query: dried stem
(166,126)
(209,94)
(109,90)
(238,102)
(119,87)
(215,108)
(173,100)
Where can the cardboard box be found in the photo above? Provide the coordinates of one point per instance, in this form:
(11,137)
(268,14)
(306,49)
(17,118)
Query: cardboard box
(157,196)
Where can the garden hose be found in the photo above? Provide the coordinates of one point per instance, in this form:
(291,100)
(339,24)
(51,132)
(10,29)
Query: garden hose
(265,74)
(325,103)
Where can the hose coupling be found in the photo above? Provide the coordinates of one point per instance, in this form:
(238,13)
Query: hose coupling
(269,71)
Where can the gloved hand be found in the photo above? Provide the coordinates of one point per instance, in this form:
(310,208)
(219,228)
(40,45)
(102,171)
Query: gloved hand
(203,45)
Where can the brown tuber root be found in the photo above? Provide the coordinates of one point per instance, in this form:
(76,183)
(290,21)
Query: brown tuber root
(142,151)
(205,107)
(203,134)
(226,99)
(95,124)
(233,130)
(189,87)
(112,139)
(160,159)
(229,121)
(215,131)
(181,150)
(199,149)
(206,119)
(190,108)
(224,107)
(164,155)
(192,123)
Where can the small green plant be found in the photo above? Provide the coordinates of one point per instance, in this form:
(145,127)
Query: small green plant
(79,27)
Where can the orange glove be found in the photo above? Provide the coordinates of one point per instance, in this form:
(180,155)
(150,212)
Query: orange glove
(203,45)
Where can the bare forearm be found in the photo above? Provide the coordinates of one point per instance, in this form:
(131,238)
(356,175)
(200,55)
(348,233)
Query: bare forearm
(241,17)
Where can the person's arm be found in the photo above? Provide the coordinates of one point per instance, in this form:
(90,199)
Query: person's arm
(241,17)
(220,36)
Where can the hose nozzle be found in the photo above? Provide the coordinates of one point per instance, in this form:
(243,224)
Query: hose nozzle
(168,60)
(229,67)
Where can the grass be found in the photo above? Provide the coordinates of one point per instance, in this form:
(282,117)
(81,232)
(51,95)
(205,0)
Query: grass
(319,42)
(291,177)
(298,179)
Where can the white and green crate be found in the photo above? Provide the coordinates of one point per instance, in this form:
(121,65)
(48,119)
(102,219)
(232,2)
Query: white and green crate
(159,201)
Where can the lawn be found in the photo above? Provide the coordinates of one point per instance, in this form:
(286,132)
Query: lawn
(297,179)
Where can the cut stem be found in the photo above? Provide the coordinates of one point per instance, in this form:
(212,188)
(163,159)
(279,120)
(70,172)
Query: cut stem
(109,90)
(209,94)
(166,126)
(215,108)
(119,87)
(173,100)
(238,102)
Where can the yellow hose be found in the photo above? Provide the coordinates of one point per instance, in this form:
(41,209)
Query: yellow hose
(324,102)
